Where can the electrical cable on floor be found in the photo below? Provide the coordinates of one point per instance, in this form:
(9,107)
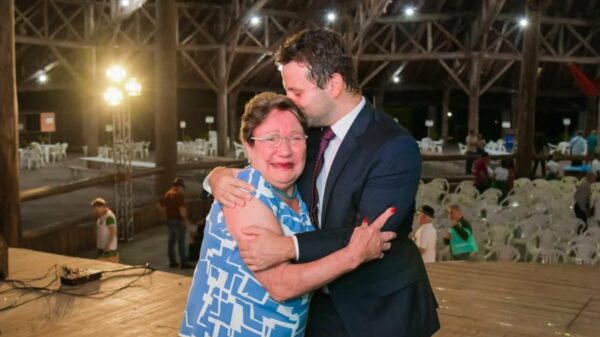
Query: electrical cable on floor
(25,285)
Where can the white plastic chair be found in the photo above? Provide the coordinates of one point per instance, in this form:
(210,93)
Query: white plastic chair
(146,149)
(584,254)
(550,255)
(34,159)
(239,150)
(570,180)
(563,148)
(491,196)
(505,253)
(63,151)
(138,150)
(467,190)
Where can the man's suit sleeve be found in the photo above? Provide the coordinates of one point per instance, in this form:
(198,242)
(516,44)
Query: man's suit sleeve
(392,182)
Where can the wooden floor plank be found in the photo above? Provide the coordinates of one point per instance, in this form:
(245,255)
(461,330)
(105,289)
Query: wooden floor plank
(476,299)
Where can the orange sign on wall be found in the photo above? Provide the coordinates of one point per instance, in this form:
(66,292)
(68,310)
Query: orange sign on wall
(47,122)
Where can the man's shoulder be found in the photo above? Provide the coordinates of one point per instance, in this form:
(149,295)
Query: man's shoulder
(430,230)
(383,131)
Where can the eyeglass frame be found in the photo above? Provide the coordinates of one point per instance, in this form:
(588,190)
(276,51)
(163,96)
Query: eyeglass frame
(281,138)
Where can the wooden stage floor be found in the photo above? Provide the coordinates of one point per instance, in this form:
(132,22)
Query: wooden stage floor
(476,299)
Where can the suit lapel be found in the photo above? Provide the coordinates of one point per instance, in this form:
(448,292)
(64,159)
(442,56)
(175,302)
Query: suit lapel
(349,144)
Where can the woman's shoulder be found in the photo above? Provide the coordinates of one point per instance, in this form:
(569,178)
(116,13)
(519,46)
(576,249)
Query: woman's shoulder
(262,188)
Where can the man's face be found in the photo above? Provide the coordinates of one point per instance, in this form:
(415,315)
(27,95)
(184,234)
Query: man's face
(423,219)
(316,103)
(99,210)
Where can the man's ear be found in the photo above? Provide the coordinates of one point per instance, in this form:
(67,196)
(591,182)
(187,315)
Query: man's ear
(336,85)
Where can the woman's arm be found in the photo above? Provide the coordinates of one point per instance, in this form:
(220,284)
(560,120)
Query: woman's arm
(289,280)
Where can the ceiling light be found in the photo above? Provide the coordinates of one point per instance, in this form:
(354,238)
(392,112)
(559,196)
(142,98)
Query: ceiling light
(331,16)
(449,114)
(43,78)
(124,3)
(523,22)
(396,79)
(409,11)
(255,20)
(116,73)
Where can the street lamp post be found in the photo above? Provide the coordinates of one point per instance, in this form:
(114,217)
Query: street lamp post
(122,146)
(429,125)
(182,126)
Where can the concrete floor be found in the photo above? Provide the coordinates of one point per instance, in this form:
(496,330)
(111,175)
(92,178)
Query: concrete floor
(46,211)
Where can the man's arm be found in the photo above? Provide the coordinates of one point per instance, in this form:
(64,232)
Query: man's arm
(111,237)
(392,182)
(288,280)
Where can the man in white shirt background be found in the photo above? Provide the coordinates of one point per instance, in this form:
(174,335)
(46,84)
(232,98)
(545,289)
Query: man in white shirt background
(426,234)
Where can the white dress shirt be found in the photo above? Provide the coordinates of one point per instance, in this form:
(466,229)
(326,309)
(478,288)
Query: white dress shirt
(340,129)
(426,238)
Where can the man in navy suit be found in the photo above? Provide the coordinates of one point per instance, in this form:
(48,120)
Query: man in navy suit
(359,163)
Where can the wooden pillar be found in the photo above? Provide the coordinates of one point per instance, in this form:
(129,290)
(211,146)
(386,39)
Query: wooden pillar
(166,93)
(222,102)
(90,98)
(528,92)
(10,204)
(474,81)
(378,100)
(90,101)
(445,110)
(232,118)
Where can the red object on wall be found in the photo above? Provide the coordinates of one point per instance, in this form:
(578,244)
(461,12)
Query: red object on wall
(590,88)
(47,122)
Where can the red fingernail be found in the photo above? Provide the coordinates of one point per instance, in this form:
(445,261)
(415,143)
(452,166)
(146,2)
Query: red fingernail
(364,220)
(393,210)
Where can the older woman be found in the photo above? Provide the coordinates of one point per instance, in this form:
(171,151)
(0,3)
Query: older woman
(226,298)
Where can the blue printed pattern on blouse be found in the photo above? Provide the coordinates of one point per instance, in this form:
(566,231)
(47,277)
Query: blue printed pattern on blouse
(225,299)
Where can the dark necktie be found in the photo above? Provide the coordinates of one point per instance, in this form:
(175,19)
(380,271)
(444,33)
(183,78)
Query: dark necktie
(326,136)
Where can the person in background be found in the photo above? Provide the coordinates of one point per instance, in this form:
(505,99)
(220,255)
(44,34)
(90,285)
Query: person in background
(509,141)
(472,143)
(461,227)
(480,143)
(173,205)
(592,142)
(196,240)
(501,177)
(583,195)
(426,235)
(596,166)
(553,168)
(577,145)
(106,231)
(481,172)
(541,150)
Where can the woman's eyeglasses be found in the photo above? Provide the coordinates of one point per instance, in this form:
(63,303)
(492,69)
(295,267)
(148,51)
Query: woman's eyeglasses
(275,139)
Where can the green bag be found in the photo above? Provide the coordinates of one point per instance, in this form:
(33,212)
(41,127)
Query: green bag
(460,246)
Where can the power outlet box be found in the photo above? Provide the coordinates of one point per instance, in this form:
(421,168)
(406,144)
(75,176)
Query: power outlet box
(75,279)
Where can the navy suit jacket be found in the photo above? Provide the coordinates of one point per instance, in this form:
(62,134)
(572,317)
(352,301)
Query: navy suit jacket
(377,166)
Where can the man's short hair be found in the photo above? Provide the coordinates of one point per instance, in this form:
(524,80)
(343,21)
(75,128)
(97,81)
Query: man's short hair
(324,52)
(178,182)
(454,207)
